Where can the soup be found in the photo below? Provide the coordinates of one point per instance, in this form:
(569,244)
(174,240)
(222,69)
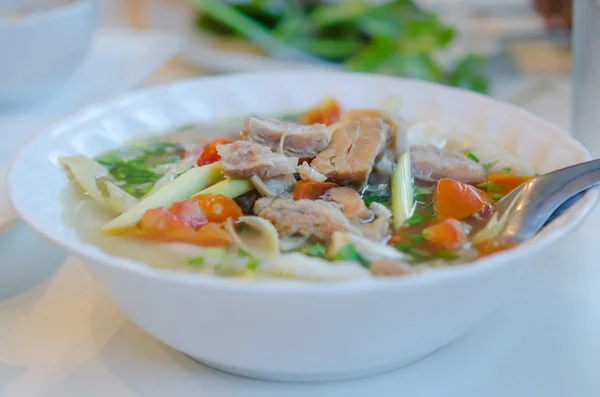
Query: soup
(325,194)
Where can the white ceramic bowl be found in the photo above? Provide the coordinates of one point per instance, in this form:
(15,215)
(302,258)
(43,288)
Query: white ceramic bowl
(40,50)
(284,329)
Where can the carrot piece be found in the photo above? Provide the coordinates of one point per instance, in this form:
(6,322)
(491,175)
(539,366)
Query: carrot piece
(507,182)
(448,234)
(194,221)
(159,224)
(311,190)
(458,200)
(327,112)
(207,151)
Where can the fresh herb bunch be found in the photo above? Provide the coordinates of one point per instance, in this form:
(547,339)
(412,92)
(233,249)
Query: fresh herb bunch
(396,37)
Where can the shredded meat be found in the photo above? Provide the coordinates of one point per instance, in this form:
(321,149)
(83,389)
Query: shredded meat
(243,159)
(355,144)
(379,229)
(308,218)
(352,204)
(303,141)
(430,164)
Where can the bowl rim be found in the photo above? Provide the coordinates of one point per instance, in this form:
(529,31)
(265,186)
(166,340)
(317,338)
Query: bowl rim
(35,17)
(292,286)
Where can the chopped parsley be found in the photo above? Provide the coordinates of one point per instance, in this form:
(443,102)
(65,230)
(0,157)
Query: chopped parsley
(215,252)
(447,255)
(138,167)
(349,253)
(489,166)
(471,156)
(416,219)
(497,196)
(490,187)
(418,254)
(197,261)
(417,237)
(370,199)
(423,190)
(420,194)
(209,252)
(507,169)
(253,263)
(317,250)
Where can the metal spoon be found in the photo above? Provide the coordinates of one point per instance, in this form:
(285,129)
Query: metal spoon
(531,206)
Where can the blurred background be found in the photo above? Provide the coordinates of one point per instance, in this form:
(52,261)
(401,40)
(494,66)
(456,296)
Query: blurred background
(516,50)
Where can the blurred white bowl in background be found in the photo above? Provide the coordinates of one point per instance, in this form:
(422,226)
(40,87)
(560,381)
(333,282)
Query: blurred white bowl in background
(41,47)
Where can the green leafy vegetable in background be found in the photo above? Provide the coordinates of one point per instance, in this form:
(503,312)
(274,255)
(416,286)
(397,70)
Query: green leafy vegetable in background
(396,37)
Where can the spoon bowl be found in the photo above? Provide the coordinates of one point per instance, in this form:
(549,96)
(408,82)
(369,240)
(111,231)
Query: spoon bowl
(521,214)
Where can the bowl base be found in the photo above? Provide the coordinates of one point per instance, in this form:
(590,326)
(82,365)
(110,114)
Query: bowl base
(307,377)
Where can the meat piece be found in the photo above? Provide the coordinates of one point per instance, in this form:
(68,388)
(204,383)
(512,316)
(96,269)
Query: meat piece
(373,114)
(355,144)
(308,174)
(379,229)
(243,159)
(303,141)
(430,164)
(316,218)
(352,204)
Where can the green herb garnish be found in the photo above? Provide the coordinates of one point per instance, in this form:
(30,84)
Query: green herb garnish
(253,263)
(317,250)
(423,190)
(490,187)
(416,219)
(370,199)
(349,253)
(489,166)
(417,237)
(497,196)
(471,156)
(420,194)
(507,169)
(447,255)
(197,261)
(137,168)
(215,252)
(417,253)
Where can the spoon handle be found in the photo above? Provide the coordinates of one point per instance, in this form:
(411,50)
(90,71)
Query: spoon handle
(542,196)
